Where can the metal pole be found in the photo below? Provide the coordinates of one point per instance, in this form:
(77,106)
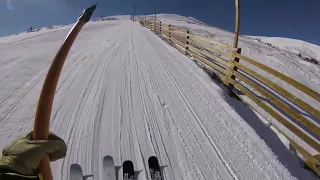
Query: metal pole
(145,19)
(237,24)
(231,66)
(155,15)
(134,11)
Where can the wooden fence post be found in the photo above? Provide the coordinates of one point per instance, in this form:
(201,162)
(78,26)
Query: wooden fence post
(231,67)
(187,42)
(145,19)
(169,33)
(160,27)
(237,24)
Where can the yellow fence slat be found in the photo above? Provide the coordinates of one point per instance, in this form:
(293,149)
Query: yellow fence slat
(184,32)
(211,56)
(197,38)
(166,28)
(313,143)
(212,42)
(181,39)
(280,90)
(285,78)
(278,103)
(164,25)
(178,45)
(166,33)
(207,62)
(173,28)
(228,55)
(177,34)
(178,42)
(311,161)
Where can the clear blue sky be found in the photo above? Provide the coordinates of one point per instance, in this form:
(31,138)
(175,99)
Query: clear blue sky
(299,19)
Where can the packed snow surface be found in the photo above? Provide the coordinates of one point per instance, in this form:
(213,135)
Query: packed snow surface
(125,92)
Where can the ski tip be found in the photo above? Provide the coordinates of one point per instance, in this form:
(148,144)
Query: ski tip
(153,160)
(153,163)
(107,157)
(127,162)
(128,169)
(75,166)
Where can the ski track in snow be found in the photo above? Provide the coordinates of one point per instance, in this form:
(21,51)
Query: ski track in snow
(126,93)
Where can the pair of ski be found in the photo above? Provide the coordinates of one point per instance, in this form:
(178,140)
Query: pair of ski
(109,170)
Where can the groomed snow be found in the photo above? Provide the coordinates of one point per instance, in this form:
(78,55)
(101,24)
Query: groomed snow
(124,92)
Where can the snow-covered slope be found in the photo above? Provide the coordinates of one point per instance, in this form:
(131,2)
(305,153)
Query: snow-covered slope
(290,45)
(175,18)
(294,46)
(281,55)
(124,92)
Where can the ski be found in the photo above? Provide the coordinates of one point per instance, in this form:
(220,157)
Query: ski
(128,170)
(154,168)
(76,172)
(109,168)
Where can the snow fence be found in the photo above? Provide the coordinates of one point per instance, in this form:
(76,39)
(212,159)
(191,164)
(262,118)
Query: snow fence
(292,116)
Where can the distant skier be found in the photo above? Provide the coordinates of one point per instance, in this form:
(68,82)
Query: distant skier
(30,29)
(21,158)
